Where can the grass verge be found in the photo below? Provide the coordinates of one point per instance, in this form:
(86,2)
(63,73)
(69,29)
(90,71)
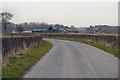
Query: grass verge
(17,66)
(111,49)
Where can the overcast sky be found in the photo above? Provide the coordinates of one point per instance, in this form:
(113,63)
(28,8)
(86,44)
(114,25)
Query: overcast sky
(79,14)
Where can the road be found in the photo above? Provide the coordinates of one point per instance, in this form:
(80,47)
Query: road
(68,59)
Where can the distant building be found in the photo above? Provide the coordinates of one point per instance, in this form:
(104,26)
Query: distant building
(40,30)
(102,29)
(93,30)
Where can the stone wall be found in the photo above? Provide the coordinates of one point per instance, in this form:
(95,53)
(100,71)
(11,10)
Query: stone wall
(15,45)
(110,40)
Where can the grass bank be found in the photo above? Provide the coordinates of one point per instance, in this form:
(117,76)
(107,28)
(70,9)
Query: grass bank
(17,66)
(111,49)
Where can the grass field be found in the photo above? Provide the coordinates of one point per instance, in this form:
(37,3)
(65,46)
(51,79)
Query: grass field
(17,66)
(111,49)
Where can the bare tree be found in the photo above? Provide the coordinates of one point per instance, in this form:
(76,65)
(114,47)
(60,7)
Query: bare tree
(72,26)
(20,29)
(5,17)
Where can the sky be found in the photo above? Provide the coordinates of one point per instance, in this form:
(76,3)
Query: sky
(79,14)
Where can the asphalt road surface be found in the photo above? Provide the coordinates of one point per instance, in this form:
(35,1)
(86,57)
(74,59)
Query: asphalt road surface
(68,59)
